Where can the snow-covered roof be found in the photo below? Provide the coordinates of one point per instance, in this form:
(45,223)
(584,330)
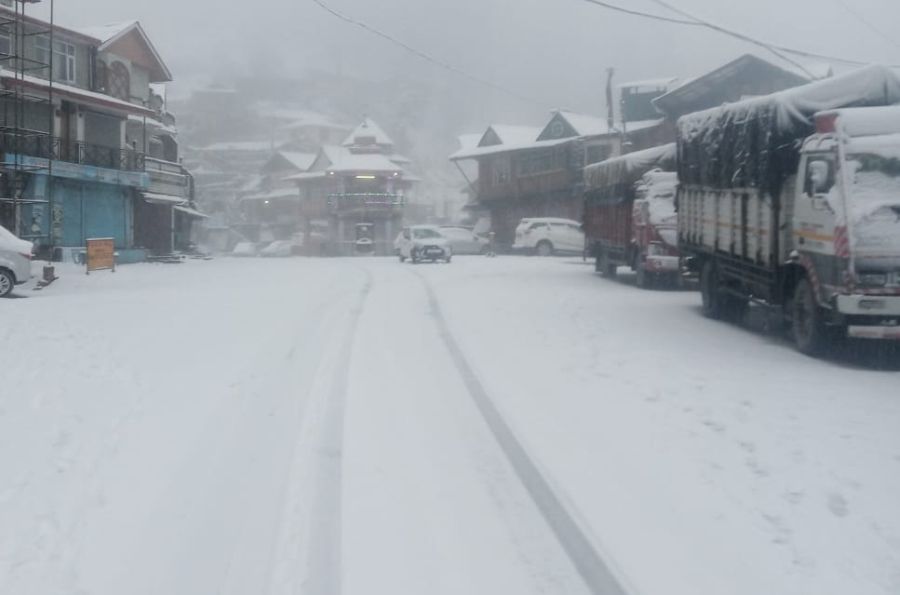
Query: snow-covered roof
(469,140)
(110,33)
(368,128)
(104,33)
(504,148)
(401,159)
(310,175)
(512,135)
(341,159)
(586,125)
(302,161)
(296,116)
(693,93)
(274,194)
(620,172)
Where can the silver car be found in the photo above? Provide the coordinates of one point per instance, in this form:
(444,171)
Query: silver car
(15,261)
(464,241)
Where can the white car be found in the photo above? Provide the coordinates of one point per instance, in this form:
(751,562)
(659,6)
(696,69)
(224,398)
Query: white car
(464,241)
(246,249)
(15,261)
(280,248)
(546,236)
(423,242)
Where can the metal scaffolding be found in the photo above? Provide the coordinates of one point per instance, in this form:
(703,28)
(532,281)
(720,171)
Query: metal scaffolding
(27,116)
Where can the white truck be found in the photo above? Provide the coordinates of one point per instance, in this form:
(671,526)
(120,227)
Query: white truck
(793,201)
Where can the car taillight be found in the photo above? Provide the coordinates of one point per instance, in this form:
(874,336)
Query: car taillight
(28,256)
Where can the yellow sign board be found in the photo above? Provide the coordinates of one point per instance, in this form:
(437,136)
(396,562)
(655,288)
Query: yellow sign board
(101,254)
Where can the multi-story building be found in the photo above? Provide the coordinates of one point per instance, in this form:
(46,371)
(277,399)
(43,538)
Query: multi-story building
(353,195)
(88,147)
(530,172)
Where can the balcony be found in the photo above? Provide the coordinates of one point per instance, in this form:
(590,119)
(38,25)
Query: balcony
(168,177)
(54,148)
(366,202)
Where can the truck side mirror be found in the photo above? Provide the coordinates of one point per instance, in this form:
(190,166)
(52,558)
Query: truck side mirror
(819,177)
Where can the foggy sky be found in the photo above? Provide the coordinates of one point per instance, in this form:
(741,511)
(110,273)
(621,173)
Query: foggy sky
(553,51)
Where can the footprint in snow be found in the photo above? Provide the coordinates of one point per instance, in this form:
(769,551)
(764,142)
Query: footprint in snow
(714,425)
(794,497)
(838,506)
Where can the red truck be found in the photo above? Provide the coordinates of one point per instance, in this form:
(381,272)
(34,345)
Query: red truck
(629,215)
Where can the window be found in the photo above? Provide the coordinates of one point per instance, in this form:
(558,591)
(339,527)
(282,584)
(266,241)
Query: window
(63,57)
(5,42)
(119,81)
(820,175)
(537,162)
(500,169)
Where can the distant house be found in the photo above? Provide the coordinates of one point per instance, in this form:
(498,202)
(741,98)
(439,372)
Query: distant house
(531,172)
(271,206)
(744,77)
(360,186)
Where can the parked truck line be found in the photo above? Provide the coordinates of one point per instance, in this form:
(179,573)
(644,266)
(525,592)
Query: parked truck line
(793,201)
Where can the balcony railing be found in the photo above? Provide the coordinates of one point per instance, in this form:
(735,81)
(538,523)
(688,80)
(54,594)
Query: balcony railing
(339,202)
(50,147)
(169,177)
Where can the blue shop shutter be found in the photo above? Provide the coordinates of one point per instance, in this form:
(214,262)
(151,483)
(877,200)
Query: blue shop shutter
(105,212)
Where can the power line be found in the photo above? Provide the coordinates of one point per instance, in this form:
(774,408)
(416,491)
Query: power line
(428,57)
(868,23)
(695,22)
(640,13)
(734,34)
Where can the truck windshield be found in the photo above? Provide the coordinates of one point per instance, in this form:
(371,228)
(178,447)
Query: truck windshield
(875,181)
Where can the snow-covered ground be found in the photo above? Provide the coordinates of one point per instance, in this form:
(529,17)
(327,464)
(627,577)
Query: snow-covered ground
(300,426)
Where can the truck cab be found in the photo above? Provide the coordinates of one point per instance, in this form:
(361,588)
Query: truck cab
(655,229)
(844,230)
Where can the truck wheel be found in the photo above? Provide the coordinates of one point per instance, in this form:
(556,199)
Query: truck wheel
(413,257)
(402,258)
(7,282)
(544,248)
(807,323)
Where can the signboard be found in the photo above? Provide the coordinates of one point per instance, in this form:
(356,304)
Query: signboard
(101,254)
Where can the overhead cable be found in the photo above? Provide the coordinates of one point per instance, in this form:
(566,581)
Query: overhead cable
(429,58)
(867,23)
(693,21)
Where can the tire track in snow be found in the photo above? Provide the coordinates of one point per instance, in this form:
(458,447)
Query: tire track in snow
(310,563)
(596,573)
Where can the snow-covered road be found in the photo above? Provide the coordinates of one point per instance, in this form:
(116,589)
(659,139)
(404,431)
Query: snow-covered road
(314,426)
